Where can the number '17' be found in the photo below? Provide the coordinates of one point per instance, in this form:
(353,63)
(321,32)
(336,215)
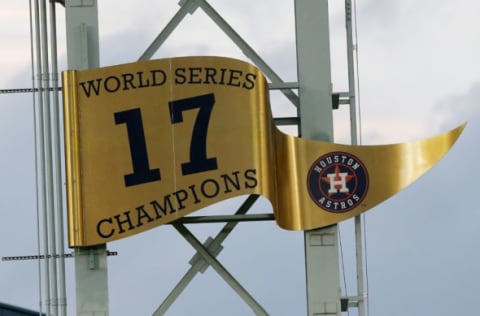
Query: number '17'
(142,173)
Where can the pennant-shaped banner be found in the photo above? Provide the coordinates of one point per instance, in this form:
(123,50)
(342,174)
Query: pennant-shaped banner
(150,142)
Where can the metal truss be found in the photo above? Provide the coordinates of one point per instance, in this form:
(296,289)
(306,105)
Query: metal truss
(320,245)
(208,251)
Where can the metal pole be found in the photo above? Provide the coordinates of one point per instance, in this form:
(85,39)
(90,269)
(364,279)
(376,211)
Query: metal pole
(354,141)
(351,72)
(41,199)
(90,262)
(48,181)
(35,128)
(57,168)
(316,122)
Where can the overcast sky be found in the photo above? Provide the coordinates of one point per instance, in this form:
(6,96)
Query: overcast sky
(419,76)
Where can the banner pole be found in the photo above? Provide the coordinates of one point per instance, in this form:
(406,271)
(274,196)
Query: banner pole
(90,262)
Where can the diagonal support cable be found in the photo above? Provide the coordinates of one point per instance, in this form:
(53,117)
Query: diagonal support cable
(200,263)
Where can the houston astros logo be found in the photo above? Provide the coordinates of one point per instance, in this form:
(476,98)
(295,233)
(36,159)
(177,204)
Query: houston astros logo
(337,182)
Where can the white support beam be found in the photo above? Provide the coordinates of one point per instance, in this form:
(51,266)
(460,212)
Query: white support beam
(314,73)
(90,262)
(316,122)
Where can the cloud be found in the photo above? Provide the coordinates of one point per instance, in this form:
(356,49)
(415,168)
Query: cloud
(461,107)
(409,63)
(419,237)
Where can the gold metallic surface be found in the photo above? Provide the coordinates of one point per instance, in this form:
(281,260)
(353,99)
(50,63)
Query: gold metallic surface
(390,167)
(74,201)
(251,155)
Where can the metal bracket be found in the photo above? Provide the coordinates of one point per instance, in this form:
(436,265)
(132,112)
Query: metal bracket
(213,247)
(192,5)
(79,3)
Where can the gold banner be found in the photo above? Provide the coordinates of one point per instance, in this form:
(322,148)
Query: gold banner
(150,142)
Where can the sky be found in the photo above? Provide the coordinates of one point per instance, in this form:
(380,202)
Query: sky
(419,76)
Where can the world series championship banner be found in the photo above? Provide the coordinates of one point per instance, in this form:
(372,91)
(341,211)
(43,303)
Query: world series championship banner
(150,142)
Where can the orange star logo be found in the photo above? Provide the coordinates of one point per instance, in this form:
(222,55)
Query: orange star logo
(338,181)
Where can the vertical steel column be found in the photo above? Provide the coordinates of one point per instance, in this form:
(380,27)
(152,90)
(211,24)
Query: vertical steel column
(40,152)
(90,262)
(316,122)
(57,164)
(354,140)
